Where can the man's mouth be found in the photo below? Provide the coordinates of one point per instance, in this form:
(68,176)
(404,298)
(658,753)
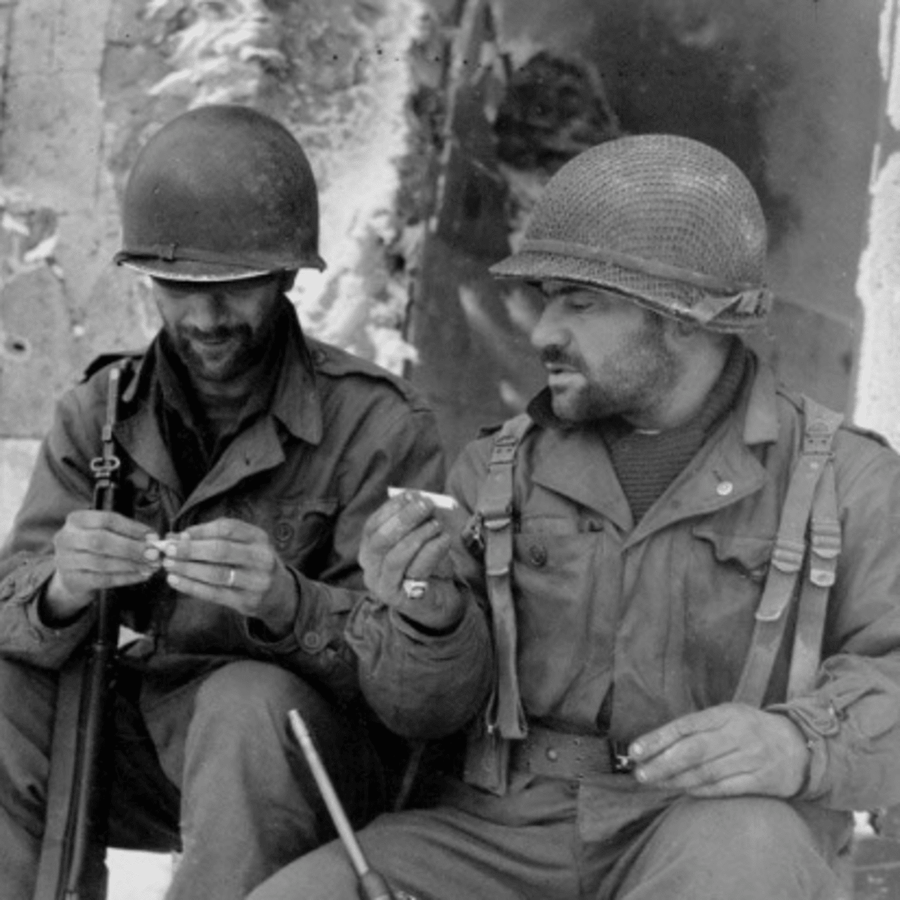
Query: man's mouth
(557,371)
(211,338)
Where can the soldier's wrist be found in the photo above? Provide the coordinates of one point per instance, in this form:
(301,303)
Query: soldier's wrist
(56,607)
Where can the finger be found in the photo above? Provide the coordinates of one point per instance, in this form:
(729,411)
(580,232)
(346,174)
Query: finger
(102,545)
(735,786)
(81,583)
(218,577)
(397,562)
(411,513)
(687,770)
(655,742)
(231,530)
(217,591)
(385,512)
(80,574)
(425,563)
(75,561)
(99,552)
(112,522)
(219,552)
(738,783)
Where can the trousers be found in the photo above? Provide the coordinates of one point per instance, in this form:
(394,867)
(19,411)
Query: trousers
(743,848)
(221,775)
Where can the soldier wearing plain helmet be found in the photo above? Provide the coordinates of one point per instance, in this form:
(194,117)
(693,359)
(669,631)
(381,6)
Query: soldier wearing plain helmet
(685,571)
(251,455)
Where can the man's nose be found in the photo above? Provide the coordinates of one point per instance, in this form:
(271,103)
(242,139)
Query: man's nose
(551,329)
(207,309)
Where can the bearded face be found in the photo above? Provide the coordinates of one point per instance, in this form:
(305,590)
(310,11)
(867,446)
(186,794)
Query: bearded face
(603,354)
(218,329)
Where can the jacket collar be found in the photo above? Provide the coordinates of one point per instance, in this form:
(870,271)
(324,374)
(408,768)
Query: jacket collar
(296,403)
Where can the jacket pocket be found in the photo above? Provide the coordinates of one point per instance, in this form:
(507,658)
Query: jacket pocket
(565,598)
(302,530)
(724,580)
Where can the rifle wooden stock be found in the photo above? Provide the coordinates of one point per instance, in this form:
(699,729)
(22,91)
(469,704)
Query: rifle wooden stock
(72,864)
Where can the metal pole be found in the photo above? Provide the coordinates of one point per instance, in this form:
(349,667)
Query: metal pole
(372,885)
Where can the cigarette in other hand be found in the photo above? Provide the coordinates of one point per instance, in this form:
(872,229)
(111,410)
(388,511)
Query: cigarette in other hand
(441,501)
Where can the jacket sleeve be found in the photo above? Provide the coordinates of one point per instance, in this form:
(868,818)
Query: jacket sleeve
(340,638)
(851,720)
(426,685)
(60,483)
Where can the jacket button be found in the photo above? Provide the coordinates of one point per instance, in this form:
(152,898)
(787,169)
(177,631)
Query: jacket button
(552,755)
(284,532)
(312,641)
(724,488)
(537,554)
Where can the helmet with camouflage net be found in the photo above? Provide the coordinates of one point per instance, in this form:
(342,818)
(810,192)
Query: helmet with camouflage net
(667,221)
(220,193)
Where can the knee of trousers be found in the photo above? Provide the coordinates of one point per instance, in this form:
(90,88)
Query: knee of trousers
(251,698)
(27,708)
(752,828)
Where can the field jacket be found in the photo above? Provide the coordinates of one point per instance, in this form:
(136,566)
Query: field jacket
(624,626)
(309,472)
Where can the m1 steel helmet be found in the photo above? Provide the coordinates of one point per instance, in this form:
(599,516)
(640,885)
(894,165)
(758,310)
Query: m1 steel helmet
(220,193)
(667,221)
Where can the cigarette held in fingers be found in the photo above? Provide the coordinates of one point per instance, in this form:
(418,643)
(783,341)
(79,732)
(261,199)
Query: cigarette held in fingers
(441,501)
(163,545)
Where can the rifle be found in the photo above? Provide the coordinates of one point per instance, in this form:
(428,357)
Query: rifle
(73,852)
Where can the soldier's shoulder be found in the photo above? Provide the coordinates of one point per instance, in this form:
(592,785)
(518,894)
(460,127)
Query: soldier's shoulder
(799,406)
(105,361)
(332,362)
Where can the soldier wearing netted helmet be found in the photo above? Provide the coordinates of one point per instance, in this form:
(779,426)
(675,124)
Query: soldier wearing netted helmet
(250,456)
(685,568)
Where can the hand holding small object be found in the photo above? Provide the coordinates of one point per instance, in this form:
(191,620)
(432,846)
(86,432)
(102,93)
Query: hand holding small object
(232,563)
(404,554)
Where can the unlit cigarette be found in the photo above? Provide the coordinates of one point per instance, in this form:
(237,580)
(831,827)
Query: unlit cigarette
(441,501)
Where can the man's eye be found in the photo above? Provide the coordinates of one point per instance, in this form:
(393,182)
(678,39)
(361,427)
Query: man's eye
(579,304)
(176,288)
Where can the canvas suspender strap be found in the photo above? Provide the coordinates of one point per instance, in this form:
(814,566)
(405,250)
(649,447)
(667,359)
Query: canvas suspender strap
(824,550)
(495,508)
(788,560)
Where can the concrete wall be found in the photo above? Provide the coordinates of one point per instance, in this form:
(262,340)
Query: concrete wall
(84,84)
(789,90)
(878,383)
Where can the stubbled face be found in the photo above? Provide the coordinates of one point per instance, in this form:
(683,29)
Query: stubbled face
(219,329)
(604,355)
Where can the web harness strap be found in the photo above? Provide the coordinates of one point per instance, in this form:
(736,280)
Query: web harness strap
(495,509)
(810,501)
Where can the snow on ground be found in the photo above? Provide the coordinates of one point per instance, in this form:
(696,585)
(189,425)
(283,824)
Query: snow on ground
(138,876)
